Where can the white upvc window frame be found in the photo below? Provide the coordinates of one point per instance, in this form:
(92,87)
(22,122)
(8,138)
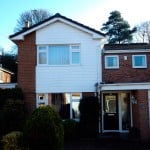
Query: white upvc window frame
(111,67)
(71,103)
(73,48)
(133,61)
(42,51)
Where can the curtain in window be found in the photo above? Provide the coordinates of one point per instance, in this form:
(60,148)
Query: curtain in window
(58,55)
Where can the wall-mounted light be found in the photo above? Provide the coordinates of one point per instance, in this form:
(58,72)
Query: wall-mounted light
(133,100)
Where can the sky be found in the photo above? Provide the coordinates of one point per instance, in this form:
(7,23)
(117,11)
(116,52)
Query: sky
(92,13)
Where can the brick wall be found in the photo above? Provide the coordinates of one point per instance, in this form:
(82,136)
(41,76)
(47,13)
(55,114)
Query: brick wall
(140,113)
(126,73)
(26,68)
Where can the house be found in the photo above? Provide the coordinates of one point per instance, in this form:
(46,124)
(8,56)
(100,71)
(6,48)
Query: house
(59,61)
(125,90)
(5,75)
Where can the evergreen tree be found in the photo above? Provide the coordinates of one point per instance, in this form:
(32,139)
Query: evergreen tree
(117,29)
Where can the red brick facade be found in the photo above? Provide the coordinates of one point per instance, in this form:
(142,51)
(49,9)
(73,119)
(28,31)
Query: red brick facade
(26,68)
(140,113)
(125,72)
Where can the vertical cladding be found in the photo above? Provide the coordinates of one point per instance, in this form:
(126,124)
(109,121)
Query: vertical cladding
(26,68)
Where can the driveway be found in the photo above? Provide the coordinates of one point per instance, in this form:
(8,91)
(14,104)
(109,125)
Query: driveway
(106,145)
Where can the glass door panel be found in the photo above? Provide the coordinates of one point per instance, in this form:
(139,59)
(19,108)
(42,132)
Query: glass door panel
(110,106)
(125,111)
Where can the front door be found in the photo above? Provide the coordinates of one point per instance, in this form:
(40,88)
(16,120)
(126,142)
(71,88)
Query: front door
(110,110)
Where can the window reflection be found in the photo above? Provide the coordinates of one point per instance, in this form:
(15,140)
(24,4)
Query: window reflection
(125,110)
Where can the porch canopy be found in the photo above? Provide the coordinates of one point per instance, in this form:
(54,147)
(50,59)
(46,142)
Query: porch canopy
(124,86)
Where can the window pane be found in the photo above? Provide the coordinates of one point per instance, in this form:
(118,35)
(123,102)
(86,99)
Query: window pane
(125,110)
(139,60)
(75,109)
(58,55)
(75,57)
(111,61)
(42,58)
(42,47)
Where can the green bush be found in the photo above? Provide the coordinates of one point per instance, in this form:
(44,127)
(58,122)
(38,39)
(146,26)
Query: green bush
(44,129)
(14,93)
(70,129)
(12,116)
(89,116)
(13,141)
(12,110)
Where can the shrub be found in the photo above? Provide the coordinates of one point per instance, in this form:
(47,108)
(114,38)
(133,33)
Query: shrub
(70,129)
(44,129)
(13,141)
(12,116)
(14,93)
(89,116)
(12,111)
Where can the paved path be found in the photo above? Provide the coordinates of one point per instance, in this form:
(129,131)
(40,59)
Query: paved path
(104,145)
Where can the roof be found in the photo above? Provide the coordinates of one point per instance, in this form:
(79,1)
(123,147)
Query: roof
(130,46)
(6,70)
(56,16)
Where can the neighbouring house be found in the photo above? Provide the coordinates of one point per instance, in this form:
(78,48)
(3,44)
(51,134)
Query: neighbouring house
(125,90)
(5,75)
(60,61)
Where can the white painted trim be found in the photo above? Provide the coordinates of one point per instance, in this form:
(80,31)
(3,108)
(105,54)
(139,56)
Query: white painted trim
(125,86)
(125,51)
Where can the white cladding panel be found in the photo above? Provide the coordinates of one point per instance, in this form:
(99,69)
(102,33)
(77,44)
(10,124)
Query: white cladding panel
(70,78)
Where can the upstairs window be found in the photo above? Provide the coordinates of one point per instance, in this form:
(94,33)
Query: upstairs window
(139,61)
(111,62)
(59,55)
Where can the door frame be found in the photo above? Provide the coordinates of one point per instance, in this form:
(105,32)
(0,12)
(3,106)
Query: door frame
(119,111)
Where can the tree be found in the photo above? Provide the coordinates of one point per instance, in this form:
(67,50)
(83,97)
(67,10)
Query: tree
(31,16)
(143,32)
(117,29)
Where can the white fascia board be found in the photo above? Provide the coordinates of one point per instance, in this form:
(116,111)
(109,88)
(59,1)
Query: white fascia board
(125,86)
(21,36)
(125,51)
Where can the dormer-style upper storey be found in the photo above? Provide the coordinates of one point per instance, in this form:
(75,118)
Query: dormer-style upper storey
(126,63)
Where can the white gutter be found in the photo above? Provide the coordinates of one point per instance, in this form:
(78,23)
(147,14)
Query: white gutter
(125,86)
